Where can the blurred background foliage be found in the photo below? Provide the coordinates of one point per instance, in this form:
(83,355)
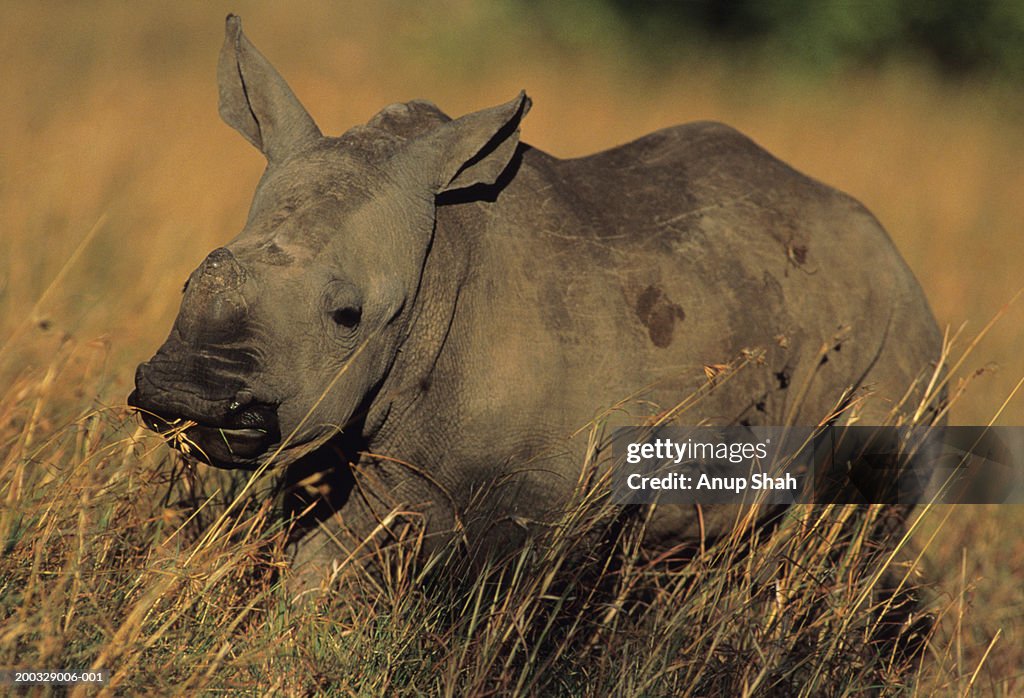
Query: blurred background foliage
(960,39)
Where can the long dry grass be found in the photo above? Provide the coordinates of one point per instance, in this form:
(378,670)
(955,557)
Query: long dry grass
(108,564)
(116,178)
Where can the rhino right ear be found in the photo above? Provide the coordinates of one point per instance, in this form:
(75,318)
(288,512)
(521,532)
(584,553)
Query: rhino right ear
(257,102)
(472,150)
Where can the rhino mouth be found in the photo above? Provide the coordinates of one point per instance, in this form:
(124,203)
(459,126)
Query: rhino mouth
(236,442)
(217,446)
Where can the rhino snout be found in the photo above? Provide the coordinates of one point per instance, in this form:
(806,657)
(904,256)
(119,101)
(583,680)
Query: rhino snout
(229,432)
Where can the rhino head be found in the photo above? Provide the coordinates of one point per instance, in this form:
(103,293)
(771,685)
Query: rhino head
(286,333)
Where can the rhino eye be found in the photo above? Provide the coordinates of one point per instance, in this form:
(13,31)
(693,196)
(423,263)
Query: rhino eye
(346,317)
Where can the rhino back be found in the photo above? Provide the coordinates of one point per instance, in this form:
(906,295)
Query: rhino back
(609,287)
(623,274)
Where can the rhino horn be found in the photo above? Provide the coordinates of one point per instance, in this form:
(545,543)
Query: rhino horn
(257,102)
(214,308)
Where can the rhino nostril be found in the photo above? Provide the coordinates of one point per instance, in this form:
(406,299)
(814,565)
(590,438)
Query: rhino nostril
(252,419)
(246,412)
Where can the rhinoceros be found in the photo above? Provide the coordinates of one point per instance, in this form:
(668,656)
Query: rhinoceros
(427,309)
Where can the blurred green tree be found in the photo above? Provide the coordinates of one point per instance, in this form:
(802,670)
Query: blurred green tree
(959,38)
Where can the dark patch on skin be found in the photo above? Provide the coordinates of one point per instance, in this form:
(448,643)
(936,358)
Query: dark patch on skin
(824,360)
(771,284)
(783,378)
(553,306)
(659,314)
(275,255)
(281,215)
(799,253)
(761,406)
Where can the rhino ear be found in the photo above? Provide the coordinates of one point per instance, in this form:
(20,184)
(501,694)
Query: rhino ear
(257,102)
(473,149)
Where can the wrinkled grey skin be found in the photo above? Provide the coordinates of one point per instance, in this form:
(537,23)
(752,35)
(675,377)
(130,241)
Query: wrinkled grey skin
(463,306)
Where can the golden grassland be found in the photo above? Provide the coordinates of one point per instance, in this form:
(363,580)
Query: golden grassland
(117,177)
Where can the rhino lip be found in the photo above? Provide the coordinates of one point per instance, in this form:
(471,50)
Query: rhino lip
(218,446)
(237,445)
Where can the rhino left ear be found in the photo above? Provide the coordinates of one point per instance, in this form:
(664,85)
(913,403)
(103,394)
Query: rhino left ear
(473,149)
(257,102)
